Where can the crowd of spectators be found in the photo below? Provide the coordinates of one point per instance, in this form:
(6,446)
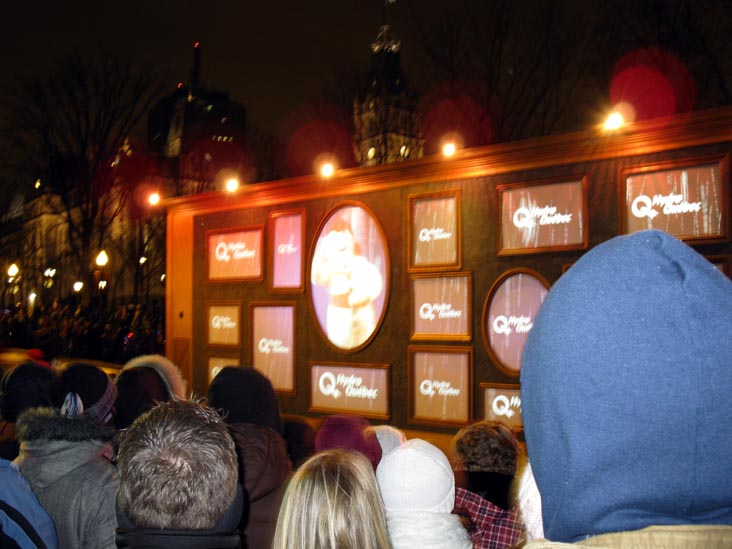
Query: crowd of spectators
(615,461)
(89,331)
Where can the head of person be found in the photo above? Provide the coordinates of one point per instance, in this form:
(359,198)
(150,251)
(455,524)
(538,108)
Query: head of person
(84,390)
(332,501)
(144,382)
(349,433)
(244,395)
(27,385)
(389,437)
(625,383)
(418,490)
(300,438)
(484,457)
(416,477)
(178,469)
(339,240)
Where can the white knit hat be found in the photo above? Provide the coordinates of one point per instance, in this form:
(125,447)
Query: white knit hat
(418,489)
(416,477)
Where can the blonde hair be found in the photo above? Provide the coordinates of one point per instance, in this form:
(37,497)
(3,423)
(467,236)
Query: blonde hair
(332,502)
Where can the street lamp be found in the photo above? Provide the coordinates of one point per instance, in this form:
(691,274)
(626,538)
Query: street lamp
(153,199)
(622,114)
(102,259)
(327,169)
(232,184)
(449,148)
(614,121)
(13,271)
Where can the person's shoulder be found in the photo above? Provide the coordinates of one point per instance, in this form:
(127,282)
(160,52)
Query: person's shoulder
(682,536)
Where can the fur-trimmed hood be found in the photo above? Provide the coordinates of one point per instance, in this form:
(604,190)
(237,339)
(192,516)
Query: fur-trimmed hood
(49,424)
(55,449)
(168,372)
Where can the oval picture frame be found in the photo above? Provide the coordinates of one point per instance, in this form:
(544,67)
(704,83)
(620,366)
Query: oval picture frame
(348,272)
(504,335)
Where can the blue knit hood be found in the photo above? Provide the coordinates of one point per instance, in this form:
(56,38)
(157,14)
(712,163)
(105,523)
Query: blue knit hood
(627,391)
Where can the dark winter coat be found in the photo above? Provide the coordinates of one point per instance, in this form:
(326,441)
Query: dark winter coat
(223,536)
(265,468)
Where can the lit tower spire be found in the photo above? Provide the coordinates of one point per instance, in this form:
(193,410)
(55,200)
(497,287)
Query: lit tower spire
(387,125)
(196,69)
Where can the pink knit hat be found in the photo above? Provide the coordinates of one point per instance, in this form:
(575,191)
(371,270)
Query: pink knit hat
(349,433)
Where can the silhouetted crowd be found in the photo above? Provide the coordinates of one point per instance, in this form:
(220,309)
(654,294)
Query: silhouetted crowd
(625,383)
(130,462)
(89,331)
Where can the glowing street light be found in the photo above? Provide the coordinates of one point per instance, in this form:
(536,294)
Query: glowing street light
(614,121)
(232,184)
(327,169)
(448,149)
(78,285)
(102,259)
(153,199)
(621,115)
(13,270)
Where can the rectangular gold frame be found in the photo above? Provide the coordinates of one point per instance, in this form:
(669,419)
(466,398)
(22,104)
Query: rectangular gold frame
(468,309)
(237,306)
(455,194)
(581,180)
(288,304)
(327,410)
(251,228)
(722,162)
(412,350)
(484,386)
(272,264)
(227,361)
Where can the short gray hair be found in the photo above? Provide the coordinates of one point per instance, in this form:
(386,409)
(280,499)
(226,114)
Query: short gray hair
(178,468)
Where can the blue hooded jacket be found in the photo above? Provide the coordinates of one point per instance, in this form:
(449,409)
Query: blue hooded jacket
(627,391)
(23,522)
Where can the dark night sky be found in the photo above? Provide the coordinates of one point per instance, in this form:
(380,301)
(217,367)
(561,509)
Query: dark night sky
(272,56)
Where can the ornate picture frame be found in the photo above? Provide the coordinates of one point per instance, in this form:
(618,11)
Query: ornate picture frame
(435,231)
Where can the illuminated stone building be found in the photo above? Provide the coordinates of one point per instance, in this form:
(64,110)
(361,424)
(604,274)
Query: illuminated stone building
(386,120)
(198,133)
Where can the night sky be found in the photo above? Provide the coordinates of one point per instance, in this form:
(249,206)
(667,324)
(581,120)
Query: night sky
(272,56)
